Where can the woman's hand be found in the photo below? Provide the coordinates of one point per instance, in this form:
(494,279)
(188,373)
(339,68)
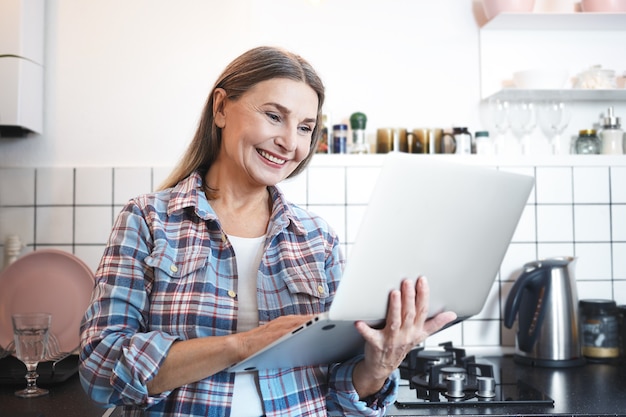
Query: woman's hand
(256,339)
(406,326)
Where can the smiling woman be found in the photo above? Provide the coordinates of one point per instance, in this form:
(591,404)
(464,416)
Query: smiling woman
(217,265)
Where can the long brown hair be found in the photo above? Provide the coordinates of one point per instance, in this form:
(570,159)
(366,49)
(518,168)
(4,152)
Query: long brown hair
(252,67)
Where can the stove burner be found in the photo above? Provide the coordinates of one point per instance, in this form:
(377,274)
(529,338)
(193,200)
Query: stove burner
(486,387)
(448,376)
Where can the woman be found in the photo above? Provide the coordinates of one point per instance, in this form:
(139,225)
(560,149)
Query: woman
(217,265)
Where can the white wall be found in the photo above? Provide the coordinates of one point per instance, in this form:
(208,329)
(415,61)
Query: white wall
(125,81)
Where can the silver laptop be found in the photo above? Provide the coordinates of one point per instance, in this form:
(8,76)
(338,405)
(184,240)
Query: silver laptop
(447,221)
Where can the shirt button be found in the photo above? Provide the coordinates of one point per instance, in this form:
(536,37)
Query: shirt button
(232,294)
(320,289)
(173,268)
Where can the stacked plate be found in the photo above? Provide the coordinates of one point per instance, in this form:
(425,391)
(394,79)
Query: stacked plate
(51,281)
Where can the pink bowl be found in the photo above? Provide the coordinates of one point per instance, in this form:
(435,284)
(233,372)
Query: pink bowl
(494,7)
(603,5)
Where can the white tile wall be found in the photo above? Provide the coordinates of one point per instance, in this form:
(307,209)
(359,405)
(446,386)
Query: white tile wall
(576,209)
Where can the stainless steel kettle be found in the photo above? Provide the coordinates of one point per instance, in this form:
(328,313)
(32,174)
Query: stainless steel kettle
(545,301)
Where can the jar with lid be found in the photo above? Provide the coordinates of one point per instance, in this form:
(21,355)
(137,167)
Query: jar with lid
(482,143)
(323,146)
(587,142)
(358,121)
(340,138)
(599,323)
(462,140)
(611,135)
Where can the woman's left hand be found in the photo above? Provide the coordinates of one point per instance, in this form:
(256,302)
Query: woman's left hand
(406,326)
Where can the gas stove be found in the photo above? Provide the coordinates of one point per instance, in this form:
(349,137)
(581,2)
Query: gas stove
(448,377)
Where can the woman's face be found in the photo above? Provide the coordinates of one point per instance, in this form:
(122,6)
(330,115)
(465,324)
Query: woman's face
(267,132)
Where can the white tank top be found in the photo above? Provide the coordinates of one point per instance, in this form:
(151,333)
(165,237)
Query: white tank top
(248,252)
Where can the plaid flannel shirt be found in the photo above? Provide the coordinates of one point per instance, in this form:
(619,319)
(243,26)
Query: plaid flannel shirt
(168,273)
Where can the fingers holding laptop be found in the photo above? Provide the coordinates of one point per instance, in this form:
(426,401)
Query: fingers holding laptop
(407,324)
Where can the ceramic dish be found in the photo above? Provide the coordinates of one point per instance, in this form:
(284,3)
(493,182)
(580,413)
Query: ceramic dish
(46,280)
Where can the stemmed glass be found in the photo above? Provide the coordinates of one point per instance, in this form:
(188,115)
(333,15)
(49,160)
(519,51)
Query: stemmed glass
(497,113)
(553,117)
(522,118)
(30,332)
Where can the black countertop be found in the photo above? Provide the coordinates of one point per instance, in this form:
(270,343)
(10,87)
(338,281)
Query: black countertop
(589,390)
(593,389)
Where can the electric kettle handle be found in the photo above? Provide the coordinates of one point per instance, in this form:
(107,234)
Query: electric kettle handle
(529,278)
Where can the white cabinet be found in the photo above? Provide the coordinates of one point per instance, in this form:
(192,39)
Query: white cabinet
(572,41)
(21,67)
(22,29)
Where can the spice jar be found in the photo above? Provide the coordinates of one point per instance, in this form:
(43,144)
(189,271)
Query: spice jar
(587,142)
(600,329)
(340,138)
(611,135)
(482,143)
(358,121)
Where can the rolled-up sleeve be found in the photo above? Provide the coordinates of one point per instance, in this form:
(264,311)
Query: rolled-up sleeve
(118,354)
(343,399)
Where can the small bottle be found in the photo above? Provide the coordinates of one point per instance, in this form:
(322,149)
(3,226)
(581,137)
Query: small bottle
(482,143)
(599,324)
(463,141)
(357,123)
(323,146)
(587,142)
(12,248)
(611,135)
(340,138)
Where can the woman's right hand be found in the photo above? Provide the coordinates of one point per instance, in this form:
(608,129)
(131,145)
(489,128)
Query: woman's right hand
(256,339)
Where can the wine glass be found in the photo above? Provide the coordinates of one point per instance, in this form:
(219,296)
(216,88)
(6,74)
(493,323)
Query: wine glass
(553,117)
(30,332)
(522,118)
(497,118)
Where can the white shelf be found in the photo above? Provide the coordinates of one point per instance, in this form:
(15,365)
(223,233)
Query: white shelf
(571,41)
(374,160)
(557,21)
(568,95)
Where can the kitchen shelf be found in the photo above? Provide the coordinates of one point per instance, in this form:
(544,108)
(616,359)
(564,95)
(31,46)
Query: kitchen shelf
(572,41)
(566,94)
(557,21)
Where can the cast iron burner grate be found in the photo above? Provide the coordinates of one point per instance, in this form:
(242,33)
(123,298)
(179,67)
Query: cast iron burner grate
(448,377)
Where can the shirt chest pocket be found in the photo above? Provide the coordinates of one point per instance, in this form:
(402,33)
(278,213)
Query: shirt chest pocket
(305,288)
(185,296)
(175,263)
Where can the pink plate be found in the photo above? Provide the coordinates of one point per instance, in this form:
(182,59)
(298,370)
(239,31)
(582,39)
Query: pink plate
(50,281)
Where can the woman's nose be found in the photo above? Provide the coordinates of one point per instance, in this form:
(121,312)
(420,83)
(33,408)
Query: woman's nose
(288,139)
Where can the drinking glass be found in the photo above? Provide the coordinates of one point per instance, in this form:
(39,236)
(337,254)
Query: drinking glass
(497,119)
(553,117)
(30,332)
(522,118)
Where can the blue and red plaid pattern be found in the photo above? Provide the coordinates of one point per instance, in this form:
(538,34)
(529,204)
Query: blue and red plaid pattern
(166,274)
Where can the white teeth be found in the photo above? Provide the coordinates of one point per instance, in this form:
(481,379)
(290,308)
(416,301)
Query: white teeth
(272,158)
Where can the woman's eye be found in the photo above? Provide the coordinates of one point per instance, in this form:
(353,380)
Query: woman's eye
(274,117)
(306,129)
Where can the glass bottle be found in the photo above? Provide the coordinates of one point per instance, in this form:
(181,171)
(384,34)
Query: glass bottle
(358,121)
(462,140)
(600,329)
(323,146)
(340,138)
(587,142)
(611,135)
